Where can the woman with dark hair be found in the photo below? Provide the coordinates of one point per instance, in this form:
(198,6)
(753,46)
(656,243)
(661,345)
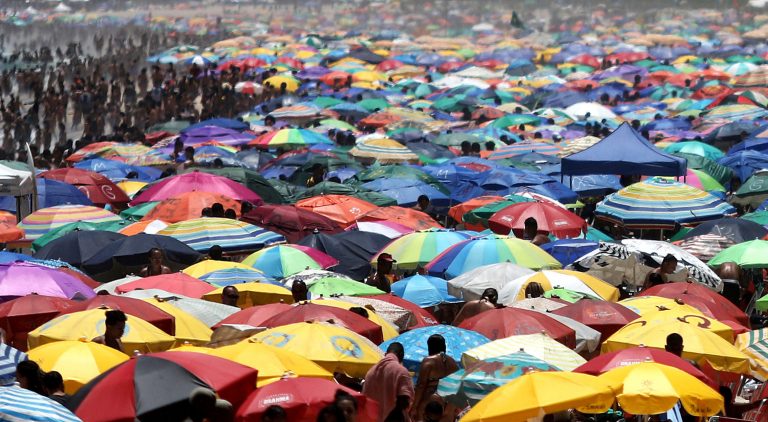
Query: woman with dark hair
(29,376)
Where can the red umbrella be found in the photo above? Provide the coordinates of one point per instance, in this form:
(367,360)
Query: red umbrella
(505,322)
(407,217)
(81,276)
(97,187)
(255,315)
(342,209)
(423,318)
(196,181)
(342,317)
(22,315)
(157,387)
(585,59)
(292,222)
(302,399)
(606,317)
(178,283)
(701,298)
(389,64)
(336,78)
(633,355)
(131,306)
(550,218)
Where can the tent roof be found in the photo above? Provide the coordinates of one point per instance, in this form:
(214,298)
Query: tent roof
(15,182)
(624,152)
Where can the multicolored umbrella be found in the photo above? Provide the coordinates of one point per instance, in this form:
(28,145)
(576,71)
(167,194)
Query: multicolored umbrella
(515,290)
(290,138)
(283,260)
(383,150)
(538,345)
(98,188)
(418,248)
(20,404)
(201,234)
(189,205)
(44,220)
(9,359)
(194,182)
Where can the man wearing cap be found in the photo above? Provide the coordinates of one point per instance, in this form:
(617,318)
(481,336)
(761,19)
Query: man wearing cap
(383,277)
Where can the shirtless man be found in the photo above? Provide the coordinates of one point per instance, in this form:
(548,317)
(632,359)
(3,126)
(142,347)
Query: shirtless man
(114,330)
(434,367)
(474,307)
(531,232)
(155,266)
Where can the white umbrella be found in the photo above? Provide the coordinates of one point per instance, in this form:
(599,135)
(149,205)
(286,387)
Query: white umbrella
(310,276)
(112,285)
(687,263)
(470,285)
(595,110)
(587,338)
(20,404)
(210,313)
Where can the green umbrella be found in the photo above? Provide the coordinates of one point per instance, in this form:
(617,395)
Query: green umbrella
(481,215)
(332,188)
(139,211)
(752,254)
(595,234)
(373,104)
(680,234)
(71,227)
(515,120)
(753,192)
(718,172)
(400,172)
(376,198)
(250,179)
(329,286)
(450,103)
(337,124)
(325,102)
(568,295)
(762,303)
(455,139)
(287,190)
(15,165)
(759,217)
(171,126)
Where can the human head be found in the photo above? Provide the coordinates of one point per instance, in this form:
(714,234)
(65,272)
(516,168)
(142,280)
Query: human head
(230,295)
(230,214)
(531,227)
(274,413)
(115,323)
(155,258)
(436,344)
(347,403)
(331,413)
(299,291)
(53,383)
(318,171)
(206,212)
(423,201)
(534,289)
(398,350)
(490,294)
(669,264)
(189,153)
(29,376)
(674,344)
(217,210)
(384,263)
(433,412)
(216,252)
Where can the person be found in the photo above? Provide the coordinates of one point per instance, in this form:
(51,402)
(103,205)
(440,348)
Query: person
(274,413)
(433,368)
(423,204)
(54,386)
(531,232)
(114,330)
(347,403)
(486,302)
(360,311)
(383,277)
(389,383)
(230,295)
(217,210)
(155,266)
(318,174)
(331,413)
(29,376)
(533,290)
(434,411)
(230,214)
(216,253)
(660,275)
(299,291)
(674,344)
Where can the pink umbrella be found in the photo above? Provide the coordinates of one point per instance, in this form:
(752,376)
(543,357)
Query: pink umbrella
(325,260)
(196,181)
(24,278)
(178,283)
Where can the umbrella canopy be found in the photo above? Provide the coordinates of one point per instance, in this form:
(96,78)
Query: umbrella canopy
(332,286)
(550,218)
(653,388)
(342,209)
(470,285)
(457,341)
(203,233)
(98,188)
(506,322)
(354,248)
(44,220)
(209,313)
(255,315)
(333,347)
(22,315)
(303,312)
(538,345)
(291,221)
(178,283)
(416,249)
(158,387)
(280,261)
(78,362)
(254,294)
(188,329)
(189,205)
(22,404)
(229,276)
(27,278)
(753,344)
(751,254)
(290,138)
(735,229)
(571,280)
(383,150)
(605,317)
(411,218)
(194,182)
(546,392)
(705,300)
(706,246)
(9,359)
(49,194)
(425,291)
(75,247)
(130,306)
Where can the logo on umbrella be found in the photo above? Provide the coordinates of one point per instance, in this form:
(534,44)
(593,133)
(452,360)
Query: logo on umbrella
(347,346)
(277,339)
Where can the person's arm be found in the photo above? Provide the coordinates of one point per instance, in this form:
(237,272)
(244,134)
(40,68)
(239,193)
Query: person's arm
(421,385)
(464,313)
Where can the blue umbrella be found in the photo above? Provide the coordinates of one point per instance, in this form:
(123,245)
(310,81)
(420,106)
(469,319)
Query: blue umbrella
(744,163)
(230,276)
(407,192)
(224,122)
(9,358)
(114,169)
(424,290)
(8,257)
(567,251)
(49,194)
(457,341)
(20,404)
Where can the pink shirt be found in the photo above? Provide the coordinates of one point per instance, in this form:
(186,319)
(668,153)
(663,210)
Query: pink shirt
(387,380)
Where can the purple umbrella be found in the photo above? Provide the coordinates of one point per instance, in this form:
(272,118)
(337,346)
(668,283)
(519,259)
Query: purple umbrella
(312,73)
(624,71)
(25,278)
(215,133)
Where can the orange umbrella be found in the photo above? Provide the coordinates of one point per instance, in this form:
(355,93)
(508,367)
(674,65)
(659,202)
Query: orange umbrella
(10,232)
(457,211)
(408,217)
(189,205)
(144,226)
(336,78)
(342,209)
(7,217)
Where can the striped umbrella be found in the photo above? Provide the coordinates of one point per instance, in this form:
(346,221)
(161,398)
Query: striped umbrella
(201,234)
(659,203)
(20,404)
(383,150)
(229,276)
(473,253)
(735,112)
(510,151)
(706,246)
(538,345)
(9,358)
(283,260)
(290,137)
(418,248)
(44,220)
(755,345)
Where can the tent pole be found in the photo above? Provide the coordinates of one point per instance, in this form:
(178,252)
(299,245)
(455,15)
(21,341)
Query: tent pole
(31,165)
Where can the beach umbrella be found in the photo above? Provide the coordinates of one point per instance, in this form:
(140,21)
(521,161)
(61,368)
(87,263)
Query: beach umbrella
(189,205)
(9,359)
(538,345)
(139,334)
(291,221)
(248,88)
(552,219)
(201,234)
(750,254)
(210,133)
(207,266)
(541,304)
(547,392)
(481,214)
(148,227)
(332,286)
(195,182)
(230,276)
(407,192)
(752,192)
(22,404)
(416,249)
(290,138)
(272,363)
(250,179)
(411,218)
(735,229)
(706,246)
(254,294)
(640,205)
(605,317)
(566,251)
(753,344)
(209,313)
(505,322)
(23,314)
(188,329)
(44,220)
(425,291)
(564,279)
(254,315)
(158,386)
(342,209)
(457,341)
(387,229)
(27,278)
(303,312)
(131,306)
(75,247)
(333,347)
(302,399)
(354,248)
(457,212)
(696,148)
(383,151)
(283,260)
(471,284)
(174,283)
(138,212)
(98,188)
(744,163)
(78,362)
(653,388)
(114,169)
(472,384)
(472,253)
(49,194)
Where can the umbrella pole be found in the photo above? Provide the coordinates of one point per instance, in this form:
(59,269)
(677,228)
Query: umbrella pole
(31,165)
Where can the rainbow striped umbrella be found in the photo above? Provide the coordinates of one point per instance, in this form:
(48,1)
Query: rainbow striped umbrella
(280,261)
(658,203)
(418,248)
(290,137)
(383,150)
(44,220)
(201,234)
(493,249)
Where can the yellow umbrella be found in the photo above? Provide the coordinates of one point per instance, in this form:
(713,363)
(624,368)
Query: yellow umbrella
(564,279)
(676,315)
(130,187)
(539,345)
(334,348)
(276,81)
(189,329)
(368,76)
(78,362)
(537,394)
(642,305)
(210,265)
(755,345)
(387,328)
(190,348)
(254,294)
(273,363)
(139,334)
(651,388)
(698,344)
